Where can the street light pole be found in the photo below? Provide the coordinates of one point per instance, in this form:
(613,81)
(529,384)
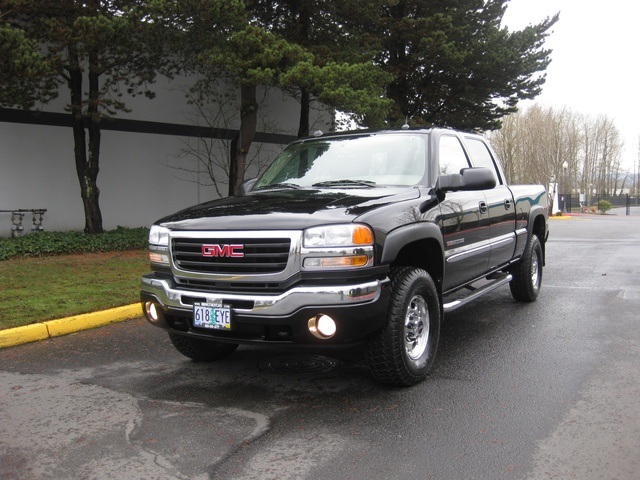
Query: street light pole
(565,167)
(554,195)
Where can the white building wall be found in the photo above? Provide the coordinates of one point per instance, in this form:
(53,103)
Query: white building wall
(143,176)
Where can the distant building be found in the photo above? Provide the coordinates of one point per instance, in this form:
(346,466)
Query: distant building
(147,164)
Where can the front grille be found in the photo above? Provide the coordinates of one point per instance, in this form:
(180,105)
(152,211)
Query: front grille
(240,304)
(261,255)
(235,287)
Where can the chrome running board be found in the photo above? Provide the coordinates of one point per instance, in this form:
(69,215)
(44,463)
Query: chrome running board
(497,281)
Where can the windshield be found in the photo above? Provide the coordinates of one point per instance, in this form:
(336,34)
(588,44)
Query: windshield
(348,162)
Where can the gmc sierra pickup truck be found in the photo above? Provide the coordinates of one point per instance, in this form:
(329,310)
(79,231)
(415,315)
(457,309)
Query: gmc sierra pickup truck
(366,237)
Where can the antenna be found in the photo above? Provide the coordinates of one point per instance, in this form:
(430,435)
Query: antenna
(406,124)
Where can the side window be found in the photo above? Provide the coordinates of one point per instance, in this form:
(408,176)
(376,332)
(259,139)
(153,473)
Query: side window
(481,157)
(451,155)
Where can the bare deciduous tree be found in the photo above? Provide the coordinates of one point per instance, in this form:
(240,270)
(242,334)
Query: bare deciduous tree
(580,152)
(206,159)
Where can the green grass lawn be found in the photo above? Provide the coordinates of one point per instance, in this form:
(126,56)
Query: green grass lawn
(45,288)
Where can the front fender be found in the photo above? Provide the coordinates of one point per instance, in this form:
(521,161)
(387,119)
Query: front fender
(399,238)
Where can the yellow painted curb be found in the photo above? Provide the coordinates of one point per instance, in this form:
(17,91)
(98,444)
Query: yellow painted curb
(20,335)
(63,326)
(562,217)
(86,321)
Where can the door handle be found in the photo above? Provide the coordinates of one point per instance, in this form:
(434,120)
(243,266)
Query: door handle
(507,204)
(483,207)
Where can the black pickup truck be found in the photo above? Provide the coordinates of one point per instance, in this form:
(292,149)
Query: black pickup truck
(365,237)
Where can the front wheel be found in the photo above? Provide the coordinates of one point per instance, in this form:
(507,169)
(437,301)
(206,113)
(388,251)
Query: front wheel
(403,352)
(527,273)
(201,350)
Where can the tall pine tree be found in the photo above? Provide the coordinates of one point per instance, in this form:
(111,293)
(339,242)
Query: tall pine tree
(455,65)
(100,51)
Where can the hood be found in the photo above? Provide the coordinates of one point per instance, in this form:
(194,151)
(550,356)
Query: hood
(286,209)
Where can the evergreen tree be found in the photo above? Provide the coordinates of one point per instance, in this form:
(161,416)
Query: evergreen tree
(455,65)
(276,44)
(251,57)
(26,77)
(100,50)
(340,72)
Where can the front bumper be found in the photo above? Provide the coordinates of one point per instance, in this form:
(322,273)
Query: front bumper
(359,310)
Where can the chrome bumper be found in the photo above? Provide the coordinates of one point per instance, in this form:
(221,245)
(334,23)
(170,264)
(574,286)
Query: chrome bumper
(282,304)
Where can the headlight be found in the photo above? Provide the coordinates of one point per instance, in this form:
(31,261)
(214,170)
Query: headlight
(159,245)
(338,236)
(159,236)
(337,247)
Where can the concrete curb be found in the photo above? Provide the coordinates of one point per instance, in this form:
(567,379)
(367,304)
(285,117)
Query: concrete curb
(63,326)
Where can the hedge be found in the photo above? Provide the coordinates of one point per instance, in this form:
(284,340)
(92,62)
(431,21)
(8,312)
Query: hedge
(61,243)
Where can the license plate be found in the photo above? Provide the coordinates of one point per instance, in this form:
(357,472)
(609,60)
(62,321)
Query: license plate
(211,315)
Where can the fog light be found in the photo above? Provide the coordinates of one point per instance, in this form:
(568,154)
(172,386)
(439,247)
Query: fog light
(326,326)
(151,311)
(322,326)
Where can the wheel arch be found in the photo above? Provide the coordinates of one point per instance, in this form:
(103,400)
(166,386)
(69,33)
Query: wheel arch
(539,229)
(417,245)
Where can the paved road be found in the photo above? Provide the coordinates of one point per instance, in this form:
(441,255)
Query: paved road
(535,391)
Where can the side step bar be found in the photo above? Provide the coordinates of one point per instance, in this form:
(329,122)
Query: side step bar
(497,282)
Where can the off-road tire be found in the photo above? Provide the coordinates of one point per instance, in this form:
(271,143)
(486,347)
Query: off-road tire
(527,273)
(202,350)
(403,352)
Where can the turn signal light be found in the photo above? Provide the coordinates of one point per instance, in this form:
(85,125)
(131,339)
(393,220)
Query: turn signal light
(159,258)
(362,235)
(354,261)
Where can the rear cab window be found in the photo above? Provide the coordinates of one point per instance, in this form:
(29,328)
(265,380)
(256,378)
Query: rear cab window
(481,157)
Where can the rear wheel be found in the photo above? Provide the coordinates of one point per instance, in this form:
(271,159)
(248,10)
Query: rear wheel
(202,350)
(527,273)
(404,351)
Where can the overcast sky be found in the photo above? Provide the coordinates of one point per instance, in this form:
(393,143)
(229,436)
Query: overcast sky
(595,61)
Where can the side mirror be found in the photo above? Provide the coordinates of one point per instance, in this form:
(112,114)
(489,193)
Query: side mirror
(477,178)
(246,186)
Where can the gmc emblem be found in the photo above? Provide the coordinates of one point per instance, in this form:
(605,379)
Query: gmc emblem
(216,250)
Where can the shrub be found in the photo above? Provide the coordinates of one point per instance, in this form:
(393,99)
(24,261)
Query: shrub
(60,243)
(604,206)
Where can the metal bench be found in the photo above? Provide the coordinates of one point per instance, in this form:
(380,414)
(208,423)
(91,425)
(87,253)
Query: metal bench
(17,216)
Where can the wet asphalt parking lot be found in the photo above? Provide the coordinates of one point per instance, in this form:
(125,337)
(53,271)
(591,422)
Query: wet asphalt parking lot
(519,391)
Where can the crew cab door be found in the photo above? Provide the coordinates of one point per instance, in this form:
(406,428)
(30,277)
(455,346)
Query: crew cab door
(500,204)
(464,220)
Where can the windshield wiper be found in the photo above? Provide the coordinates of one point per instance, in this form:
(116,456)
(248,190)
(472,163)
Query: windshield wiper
(345,183)
(279,185)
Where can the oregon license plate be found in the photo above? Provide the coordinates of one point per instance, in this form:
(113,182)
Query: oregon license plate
(212,315)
